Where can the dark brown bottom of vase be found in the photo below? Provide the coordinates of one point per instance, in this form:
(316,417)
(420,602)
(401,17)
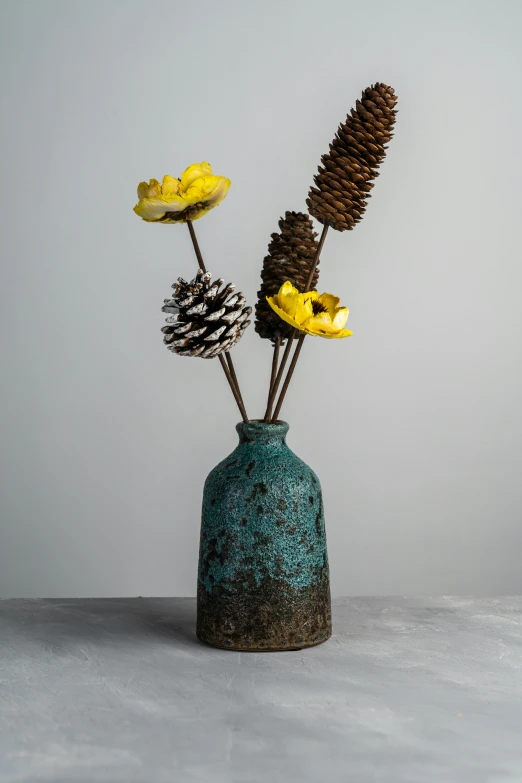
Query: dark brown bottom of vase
(264,649)
(272,618)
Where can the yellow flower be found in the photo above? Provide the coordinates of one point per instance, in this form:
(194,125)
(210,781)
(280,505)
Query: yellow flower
(178,200)
(314,313)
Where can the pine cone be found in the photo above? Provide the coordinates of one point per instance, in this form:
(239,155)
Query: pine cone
(206,319)
(358,149)
(290,256)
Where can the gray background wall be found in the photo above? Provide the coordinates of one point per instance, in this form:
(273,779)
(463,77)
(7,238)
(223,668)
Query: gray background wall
(413,424)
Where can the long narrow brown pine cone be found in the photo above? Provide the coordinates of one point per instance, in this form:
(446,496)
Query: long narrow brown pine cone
(359,147)
(290,256)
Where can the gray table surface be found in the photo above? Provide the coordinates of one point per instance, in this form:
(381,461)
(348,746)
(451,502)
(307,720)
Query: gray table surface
(119,690)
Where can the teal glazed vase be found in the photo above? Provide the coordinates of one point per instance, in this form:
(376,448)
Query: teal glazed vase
(263,578)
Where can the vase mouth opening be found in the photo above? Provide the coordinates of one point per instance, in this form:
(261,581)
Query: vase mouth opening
(257,429)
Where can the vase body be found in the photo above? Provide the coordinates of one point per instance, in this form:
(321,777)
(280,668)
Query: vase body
(263,579)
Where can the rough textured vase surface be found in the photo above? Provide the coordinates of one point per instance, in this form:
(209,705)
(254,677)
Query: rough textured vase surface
(263,581)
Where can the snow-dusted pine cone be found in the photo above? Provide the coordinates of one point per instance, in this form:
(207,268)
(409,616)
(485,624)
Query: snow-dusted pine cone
(205,318)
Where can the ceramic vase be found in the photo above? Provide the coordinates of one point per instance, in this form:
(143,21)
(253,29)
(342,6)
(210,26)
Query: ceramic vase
(263,579)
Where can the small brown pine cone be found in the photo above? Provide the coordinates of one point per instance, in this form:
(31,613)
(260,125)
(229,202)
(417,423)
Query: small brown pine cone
(359,147)
(290,256)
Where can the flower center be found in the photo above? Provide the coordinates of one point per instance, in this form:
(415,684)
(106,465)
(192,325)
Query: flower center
(318,307)
(187,213)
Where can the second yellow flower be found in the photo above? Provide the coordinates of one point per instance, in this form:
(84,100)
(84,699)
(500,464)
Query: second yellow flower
(314,313)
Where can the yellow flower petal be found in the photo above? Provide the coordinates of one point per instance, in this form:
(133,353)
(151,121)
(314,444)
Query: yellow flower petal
(304,309)
(219,192)
(316,328)
(210,190)
(170,186)
(319,324)
(143,190)
(337,335)
(287,298)
(281,313)
(286,289)
(196,171)
(330,301)
(149,190)
(323,323)
(341,316)
(155,208)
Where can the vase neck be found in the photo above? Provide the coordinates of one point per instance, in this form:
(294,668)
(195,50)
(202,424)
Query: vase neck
(261,432)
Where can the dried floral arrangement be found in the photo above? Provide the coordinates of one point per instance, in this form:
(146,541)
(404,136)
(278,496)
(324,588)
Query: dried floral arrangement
(206,318)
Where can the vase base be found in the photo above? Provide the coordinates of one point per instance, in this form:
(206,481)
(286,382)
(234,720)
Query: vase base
(271,616)
(240,648)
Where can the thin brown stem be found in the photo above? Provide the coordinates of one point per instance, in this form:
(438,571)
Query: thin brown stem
(234,390)
(302,335)
(228,370)
(196,246)
(289,374)
(233,373)
(316,257)
(275,361)
(275,387)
